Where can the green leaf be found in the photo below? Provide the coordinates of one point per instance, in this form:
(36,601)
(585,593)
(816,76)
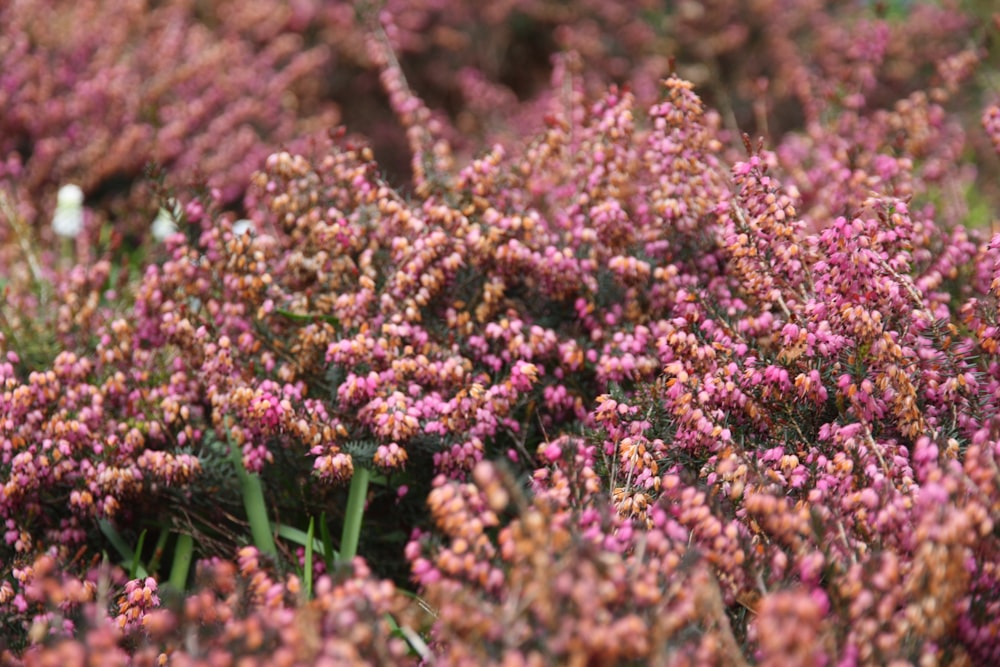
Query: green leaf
(308,574)
(123,549)
(253,501)
(324,531)
(416,643)
(308,317)
(136,564)
(161,544)
(302,538)
(356,497)
(183,555)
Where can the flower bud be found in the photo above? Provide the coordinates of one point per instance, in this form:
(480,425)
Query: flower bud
(68,218)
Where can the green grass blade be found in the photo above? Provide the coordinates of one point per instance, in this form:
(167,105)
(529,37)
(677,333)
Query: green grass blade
(136,563)
(118,542)
(324,532)
(356,497)
(183,554)
(308,574)
(306,317)
(253,501)
(416,643)
(161,544)
(301,538)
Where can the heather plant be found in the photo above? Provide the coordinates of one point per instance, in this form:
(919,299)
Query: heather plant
(805,506)
(635,397)
(242,611)
(767,66)
(99,91)
(94,92)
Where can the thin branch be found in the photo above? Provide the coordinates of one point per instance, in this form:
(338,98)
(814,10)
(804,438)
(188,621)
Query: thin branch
(22,234)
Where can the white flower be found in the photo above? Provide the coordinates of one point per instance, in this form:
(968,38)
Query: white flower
(165,223)
(68,218)
(243,226)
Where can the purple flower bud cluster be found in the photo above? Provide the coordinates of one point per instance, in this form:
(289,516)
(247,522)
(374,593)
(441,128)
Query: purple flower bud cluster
(94,92)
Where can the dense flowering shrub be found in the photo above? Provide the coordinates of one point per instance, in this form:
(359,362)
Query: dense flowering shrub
(813,436)
(241,612)
(105,87)
(673,398)
(94,92)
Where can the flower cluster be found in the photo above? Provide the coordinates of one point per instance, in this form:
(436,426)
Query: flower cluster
(138,600)
(242,612)
(564,580)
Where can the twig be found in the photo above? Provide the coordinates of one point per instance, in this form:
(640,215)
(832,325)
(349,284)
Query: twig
(908,285)
(22,238)
(878,453)
(741,216)
(714,609)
